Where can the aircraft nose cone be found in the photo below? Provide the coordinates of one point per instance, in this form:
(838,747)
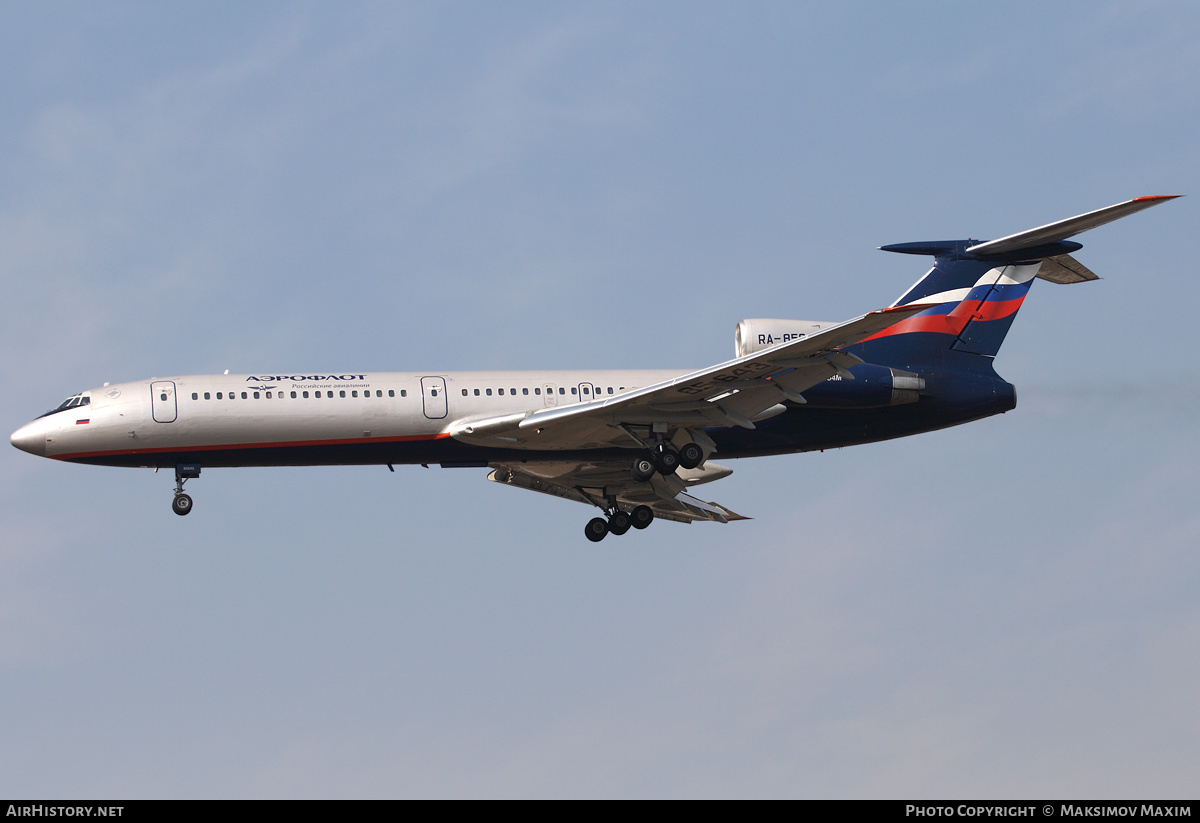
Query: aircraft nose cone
(30,438)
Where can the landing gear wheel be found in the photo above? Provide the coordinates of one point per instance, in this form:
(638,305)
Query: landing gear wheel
(620,522)
(182,504)
(667,461)
(643,469)
(641,517)
(690,455)
(596,528)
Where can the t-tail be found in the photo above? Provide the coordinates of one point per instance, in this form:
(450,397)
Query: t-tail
(978,287)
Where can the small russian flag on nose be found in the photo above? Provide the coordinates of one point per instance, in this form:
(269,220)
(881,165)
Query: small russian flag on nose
(83,422)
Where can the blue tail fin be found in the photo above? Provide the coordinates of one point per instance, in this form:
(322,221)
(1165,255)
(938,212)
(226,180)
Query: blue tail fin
(978,287)
(976,303)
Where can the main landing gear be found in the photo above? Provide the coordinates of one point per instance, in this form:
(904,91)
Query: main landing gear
(618,522)
(182,504)
(666,461)
(659,458)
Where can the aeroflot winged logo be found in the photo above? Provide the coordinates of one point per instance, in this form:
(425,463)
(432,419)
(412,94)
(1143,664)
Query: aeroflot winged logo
(296,378)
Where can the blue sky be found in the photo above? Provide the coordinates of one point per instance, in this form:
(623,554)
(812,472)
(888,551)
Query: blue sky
(1005,609)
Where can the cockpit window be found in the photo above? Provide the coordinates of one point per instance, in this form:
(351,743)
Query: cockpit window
(81,399)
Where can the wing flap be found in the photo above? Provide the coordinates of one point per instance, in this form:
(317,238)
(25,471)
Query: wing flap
(592,483)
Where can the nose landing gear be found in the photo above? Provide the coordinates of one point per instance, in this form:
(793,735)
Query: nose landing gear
(182,504)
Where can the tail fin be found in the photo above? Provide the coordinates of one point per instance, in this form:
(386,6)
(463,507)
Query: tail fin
(979,286)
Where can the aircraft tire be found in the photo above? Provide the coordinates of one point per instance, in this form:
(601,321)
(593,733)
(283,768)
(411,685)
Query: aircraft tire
(641,517)
(643,469)
(182,504)
(690,456)
(596,528)
(667,461)
(619,523)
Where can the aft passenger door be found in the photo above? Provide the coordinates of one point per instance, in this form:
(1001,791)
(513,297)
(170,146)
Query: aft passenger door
(433,397)
(162,402)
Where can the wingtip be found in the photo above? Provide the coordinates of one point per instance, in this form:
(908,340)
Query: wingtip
(1150,197)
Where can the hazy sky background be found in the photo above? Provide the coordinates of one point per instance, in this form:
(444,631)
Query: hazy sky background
(1005,609)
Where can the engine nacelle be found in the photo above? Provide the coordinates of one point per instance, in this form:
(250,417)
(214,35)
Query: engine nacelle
(758,334)
(870,387)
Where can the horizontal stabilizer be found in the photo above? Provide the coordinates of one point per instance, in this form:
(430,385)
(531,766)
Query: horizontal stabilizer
(1065,269)
(1054,232)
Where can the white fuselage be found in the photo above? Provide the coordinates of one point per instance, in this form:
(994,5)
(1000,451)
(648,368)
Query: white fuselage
(301,417)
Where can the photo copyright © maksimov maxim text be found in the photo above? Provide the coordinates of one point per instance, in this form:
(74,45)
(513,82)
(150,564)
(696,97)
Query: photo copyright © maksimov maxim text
(1049,810)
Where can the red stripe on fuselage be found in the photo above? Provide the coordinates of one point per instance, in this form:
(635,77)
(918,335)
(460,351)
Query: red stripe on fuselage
(236,446)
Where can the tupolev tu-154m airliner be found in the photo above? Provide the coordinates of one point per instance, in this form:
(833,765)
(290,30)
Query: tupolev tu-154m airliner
(631,443)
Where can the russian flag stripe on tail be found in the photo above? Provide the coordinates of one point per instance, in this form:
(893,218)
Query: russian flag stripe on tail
(977,302)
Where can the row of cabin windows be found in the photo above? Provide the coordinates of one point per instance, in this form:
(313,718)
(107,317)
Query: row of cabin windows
(247,395)
(538,391)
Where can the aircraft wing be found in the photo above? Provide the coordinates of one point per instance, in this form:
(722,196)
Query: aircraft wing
(733,393)
(596,483)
